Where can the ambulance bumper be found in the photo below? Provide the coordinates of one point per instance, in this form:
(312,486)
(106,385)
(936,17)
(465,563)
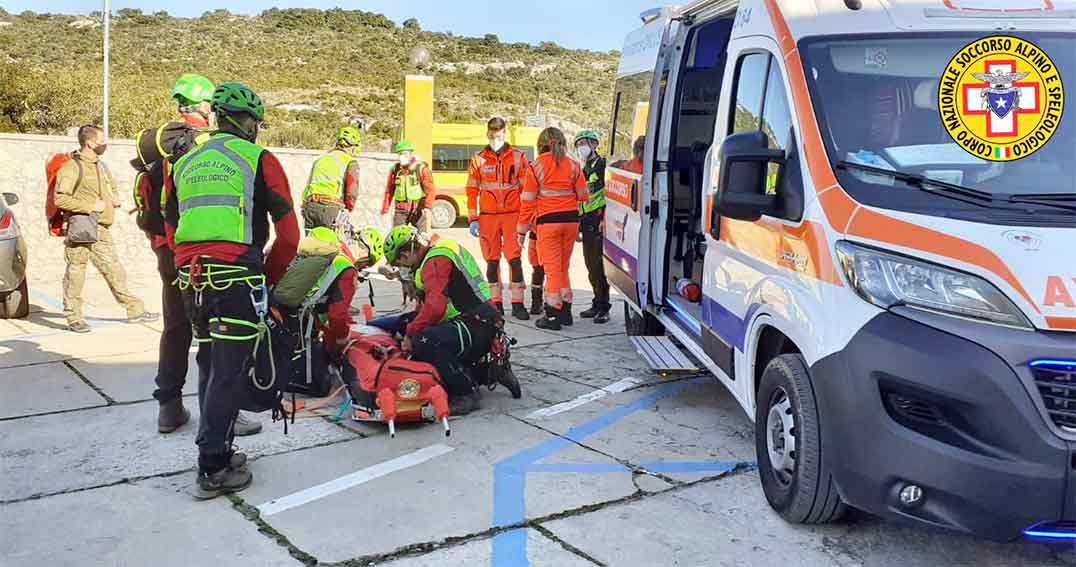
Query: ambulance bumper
(908,404)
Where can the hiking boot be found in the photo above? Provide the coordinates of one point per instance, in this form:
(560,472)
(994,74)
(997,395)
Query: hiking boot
(602,316)
(566,314)
(508,380)
(145,317)
(224,481)
(463,405)
(246,426)
(79,326)
(172,415)
(520,312)
(551,320)
(237,460)
(536,300)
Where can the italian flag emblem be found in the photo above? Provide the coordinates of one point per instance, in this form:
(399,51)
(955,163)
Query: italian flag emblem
(1002,152)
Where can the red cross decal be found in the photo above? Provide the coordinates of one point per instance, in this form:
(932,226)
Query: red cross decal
(1007,127)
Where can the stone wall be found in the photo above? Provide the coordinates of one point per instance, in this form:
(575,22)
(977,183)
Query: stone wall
(22,171)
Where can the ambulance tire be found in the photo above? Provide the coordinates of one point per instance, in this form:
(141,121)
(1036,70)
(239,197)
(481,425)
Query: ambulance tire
(641,324)
(796,481)
(15,304)
(443,214)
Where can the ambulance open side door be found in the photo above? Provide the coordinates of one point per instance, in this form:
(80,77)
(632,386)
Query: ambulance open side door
(628,188)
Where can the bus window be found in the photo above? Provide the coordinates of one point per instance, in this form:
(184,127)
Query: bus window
(452,157)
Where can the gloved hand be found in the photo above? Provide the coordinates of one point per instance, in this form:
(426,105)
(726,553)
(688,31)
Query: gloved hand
(474,229)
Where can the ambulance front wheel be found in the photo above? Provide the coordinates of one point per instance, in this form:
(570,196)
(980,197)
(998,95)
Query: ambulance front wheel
(788,445)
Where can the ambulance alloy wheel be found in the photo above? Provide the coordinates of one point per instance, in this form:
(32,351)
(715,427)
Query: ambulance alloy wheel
(795,479)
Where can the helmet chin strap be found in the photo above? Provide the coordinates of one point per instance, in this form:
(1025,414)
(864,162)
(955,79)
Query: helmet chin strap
(250,136)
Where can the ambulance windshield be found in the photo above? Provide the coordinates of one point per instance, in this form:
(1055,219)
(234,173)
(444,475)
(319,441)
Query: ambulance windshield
(981,113)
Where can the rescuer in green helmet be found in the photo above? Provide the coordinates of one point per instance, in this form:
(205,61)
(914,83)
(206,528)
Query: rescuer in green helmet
(220,197)
(333,185)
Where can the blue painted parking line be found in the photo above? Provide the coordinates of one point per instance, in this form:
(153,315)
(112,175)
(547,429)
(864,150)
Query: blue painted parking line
(510,475)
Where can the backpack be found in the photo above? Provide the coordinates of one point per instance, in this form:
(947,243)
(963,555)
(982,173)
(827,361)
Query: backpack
(54,217)
(156,149)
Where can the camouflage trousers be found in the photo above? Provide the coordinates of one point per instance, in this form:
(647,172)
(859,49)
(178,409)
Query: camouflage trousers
(103,256)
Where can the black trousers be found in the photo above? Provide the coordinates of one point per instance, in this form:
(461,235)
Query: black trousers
(454,347)
(176,338)
(222,366)
(590,226)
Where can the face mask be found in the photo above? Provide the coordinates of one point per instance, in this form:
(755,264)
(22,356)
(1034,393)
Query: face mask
(584,152)
(99,150)
(496,144)
(405,161)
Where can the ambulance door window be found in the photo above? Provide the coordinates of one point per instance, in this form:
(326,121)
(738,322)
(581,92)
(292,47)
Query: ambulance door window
(783,180)
(750,83)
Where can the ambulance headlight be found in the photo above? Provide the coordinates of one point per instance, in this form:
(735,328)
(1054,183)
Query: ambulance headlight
(889,280)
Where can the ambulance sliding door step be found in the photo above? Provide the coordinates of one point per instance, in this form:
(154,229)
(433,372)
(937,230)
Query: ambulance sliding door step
(662,355)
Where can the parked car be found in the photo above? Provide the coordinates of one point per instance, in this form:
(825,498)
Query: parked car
(14,293)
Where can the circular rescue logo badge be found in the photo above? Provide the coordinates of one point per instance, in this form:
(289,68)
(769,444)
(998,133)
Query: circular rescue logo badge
(1001,98)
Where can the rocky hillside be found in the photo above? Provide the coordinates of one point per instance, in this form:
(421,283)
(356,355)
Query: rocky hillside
(315,69)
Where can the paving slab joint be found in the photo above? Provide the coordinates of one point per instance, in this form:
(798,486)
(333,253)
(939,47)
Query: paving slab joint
(108,399)
(567,546)
(251,514)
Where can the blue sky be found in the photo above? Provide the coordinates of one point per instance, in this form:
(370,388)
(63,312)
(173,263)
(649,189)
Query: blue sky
(595,24)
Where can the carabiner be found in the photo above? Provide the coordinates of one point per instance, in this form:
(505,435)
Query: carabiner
(259,298)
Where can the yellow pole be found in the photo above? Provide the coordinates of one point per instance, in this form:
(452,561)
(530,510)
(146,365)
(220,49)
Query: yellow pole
(418,114)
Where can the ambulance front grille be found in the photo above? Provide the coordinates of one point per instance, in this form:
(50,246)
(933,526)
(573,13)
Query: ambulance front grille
(1056,382)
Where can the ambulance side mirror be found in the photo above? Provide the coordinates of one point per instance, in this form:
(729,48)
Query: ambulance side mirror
(11,198)
(741,190)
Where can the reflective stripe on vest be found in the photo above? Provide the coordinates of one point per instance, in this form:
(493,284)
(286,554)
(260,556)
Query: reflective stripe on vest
(498,185)
(464,262)
(327,175)
(408,187)
(597,196)
(215,190)
(543,191)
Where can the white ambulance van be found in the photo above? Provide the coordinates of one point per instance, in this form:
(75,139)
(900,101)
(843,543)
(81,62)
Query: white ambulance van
(877,199)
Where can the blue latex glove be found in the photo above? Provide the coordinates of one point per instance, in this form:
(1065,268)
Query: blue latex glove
(474,229)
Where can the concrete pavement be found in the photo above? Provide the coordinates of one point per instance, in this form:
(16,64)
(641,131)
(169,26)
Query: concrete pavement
(600,463)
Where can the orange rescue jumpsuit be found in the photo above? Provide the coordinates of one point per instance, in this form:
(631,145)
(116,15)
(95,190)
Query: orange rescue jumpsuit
(552,193)
(494,182)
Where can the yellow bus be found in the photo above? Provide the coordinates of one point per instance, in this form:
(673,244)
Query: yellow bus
(453,146)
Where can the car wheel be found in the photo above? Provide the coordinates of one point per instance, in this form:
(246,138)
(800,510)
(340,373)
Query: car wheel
(788,445)
(444,214)
(16,305)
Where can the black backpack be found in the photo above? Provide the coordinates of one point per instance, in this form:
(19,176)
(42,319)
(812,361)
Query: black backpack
(158,148)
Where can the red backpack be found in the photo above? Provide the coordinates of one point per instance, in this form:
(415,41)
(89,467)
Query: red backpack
(54,217)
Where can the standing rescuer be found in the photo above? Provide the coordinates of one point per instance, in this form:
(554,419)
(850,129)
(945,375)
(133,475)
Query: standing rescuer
(409,190)
(494,181)
(592,224)
(456,322)
(218,202)
(334,181)
(158,149)
(553,191)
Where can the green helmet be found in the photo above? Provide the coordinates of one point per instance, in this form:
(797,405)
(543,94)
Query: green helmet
(192,88)
(349,136)
(371,237)
(404,146)
(586,135)
(396,239)
(237,97)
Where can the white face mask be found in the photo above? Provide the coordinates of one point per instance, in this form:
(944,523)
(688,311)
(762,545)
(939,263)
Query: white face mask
(405,161)
(584,152)
(496,144)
